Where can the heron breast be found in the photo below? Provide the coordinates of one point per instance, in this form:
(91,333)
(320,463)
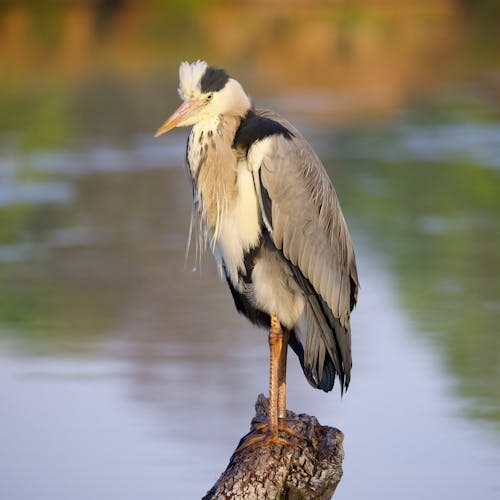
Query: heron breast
(240,230)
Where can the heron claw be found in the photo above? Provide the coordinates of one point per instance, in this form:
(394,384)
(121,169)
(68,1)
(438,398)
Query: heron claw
(262,435)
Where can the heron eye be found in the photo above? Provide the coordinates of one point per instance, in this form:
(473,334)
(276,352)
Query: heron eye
(209,97)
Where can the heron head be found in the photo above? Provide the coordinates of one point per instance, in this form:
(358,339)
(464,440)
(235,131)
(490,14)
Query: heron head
(206,92)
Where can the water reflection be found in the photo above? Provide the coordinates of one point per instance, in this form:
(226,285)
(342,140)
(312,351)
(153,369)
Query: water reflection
(438,221)
(138,347)
(113,353)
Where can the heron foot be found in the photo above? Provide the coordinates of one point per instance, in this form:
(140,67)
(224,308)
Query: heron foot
(263,435)
(261,440)
(282,427)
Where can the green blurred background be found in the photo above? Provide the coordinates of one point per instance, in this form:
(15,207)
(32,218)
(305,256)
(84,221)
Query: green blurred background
(401,99)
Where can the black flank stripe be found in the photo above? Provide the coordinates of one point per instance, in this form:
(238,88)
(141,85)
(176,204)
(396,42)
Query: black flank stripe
(249,261)
(244,307)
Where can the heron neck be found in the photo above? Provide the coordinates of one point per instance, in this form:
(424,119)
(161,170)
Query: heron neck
(213,165)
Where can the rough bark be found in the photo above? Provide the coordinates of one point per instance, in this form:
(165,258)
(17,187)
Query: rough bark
(311,471)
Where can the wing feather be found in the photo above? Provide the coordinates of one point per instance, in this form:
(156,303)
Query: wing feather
(302,195)
(309,228)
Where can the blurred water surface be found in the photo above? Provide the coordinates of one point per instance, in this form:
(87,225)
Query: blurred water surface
(123,373)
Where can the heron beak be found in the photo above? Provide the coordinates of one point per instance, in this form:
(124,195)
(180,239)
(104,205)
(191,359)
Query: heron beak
(185,110)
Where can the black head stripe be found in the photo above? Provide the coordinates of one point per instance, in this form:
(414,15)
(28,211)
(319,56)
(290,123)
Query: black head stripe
(213,79)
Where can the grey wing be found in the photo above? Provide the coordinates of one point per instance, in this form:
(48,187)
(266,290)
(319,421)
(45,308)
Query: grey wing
(301,209)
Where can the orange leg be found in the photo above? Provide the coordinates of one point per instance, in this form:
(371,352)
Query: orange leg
(282,376)
(282,389)
(275,349)
(278,344)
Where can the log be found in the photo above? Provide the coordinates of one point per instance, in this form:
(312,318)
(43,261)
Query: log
(311,471)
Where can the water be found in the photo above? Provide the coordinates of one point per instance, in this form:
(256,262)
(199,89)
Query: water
(124,373)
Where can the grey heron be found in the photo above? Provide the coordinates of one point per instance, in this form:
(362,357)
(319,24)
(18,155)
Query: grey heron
(270,214)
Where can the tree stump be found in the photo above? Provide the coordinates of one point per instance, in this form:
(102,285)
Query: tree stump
(309,471)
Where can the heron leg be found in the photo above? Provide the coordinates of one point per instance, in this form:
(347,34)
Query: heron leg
(278,344)
(282,417)
(282,375)
(275,351)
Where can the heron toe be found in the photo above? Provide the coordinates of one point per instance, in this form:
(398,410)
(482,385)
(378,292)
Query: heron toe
(263,435)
